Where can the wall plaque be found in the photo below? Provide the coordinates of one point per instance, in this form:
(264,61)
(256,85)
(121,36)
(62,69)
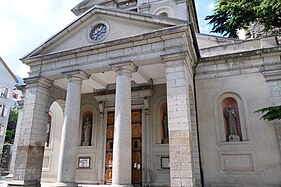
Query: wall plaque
(165,162)
(84,162)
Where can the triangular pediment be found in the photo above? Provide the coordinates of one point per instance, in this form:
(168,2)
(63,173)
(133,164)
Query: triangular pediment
(119,24)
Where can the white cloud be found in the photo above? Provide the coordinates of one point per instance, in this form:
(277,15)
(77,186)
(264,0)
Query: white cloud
(26,24)
(211,7)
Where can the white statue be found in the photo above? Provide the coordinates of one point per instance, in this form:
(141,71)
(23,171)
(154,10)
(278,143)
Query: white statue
(87,129)
(231,122)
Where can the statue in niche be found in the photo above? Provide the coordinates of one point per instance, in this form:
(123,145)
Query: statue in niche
(87,129)
(165,129)
(48,133)
(231,122)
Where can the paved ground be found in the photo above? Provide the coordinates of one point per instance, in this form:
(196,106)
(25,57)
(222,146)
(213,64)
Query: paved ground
(3,183)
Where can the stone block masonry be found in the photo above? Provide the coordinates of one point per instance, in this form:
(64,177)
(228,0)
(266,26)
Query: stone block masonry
(180,136)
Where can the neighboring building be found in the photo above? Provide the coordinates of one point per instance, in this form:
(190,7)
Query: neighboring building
(18,92)
(7,82)
(118,95)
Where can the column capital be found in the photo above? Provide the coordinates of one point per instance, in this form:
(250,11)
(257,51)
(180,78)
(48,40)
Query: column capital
(181,55)
(76,75)
(124,68)
(38,81)
(272,75)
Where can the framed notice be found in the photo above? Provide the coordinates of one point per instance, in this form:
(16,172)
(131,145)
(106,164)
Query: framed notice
(165,162)
(84,162)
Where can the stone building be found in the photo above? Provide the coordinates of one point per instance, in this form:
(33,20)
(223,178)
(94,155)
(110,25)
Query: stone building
(7,83)
(130,93)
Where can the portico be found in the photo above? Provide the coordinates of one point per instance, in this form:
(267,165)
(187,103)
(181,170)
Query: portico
(122,95)
(155,58)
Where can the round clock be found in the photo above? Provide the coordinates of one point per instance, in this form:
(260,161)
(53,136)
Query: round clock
(98,32)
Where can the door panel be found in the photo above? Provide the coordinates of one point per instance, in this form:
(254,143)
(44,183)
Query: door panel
(136,147)
(109,148)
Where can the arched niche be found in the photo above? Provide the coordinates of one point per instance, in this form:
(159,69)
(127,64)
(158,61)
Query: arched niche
(232,122)
(88,121)
(164,131)
(239,106)
(160,117)
(48,132)
(53,136)
(54,123)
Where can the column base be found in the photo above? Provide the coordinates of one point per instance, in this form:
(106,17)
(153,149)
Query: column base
(67,184)
(18,183)
(15,183)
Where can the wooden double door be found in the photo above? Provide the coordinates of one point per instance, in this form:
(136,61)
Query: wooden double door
(136,147)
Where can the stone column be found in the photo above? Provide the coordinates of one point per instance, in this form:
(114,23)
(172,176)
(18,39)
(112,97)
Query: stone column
(31,136)
(69,138)
(178,79)
(273,80)
(101,143)
(122,151)
(146,144)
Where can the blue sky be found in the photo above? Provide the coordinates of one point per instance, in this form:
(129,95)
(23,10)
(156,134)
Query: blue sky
(204,8)
(26,24)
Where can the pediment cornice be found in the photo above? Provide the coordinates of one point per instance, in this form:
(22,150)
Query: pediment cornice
(110,12)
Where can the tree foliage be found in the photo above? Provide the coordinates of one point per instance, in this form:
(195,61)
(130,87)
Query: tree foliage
(231,15)
(271,113)
(11,127)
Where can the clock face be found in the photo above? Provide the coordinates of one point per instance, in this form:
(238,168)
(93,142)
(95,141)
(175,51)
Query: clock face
(98,33)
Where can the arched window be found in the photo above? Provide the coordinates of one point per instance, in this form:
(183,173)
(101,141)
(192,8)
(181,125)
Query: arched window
(164,123)
(87,123)
(166,11)
(232,124)
(163,14)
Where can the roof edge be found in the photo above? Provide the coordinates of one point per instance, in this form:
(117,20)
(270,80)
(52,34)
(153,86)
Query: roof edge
(148,18)
(9,70)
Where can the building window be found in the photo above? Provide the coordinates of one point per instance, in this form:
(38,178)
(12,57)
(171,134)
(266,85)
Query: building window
(87,124)
(2,110)
(15,96)
(164,14)
(4,91)
(2,129)
(164,124)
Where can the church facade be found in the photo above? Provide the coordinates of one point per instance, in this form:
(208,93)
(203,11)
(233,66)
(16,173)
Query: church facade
(131,94)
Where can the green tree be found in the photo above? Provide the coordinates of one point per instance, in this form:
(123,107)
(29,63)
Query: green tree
(271,113)
(11,127)
(231,15)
